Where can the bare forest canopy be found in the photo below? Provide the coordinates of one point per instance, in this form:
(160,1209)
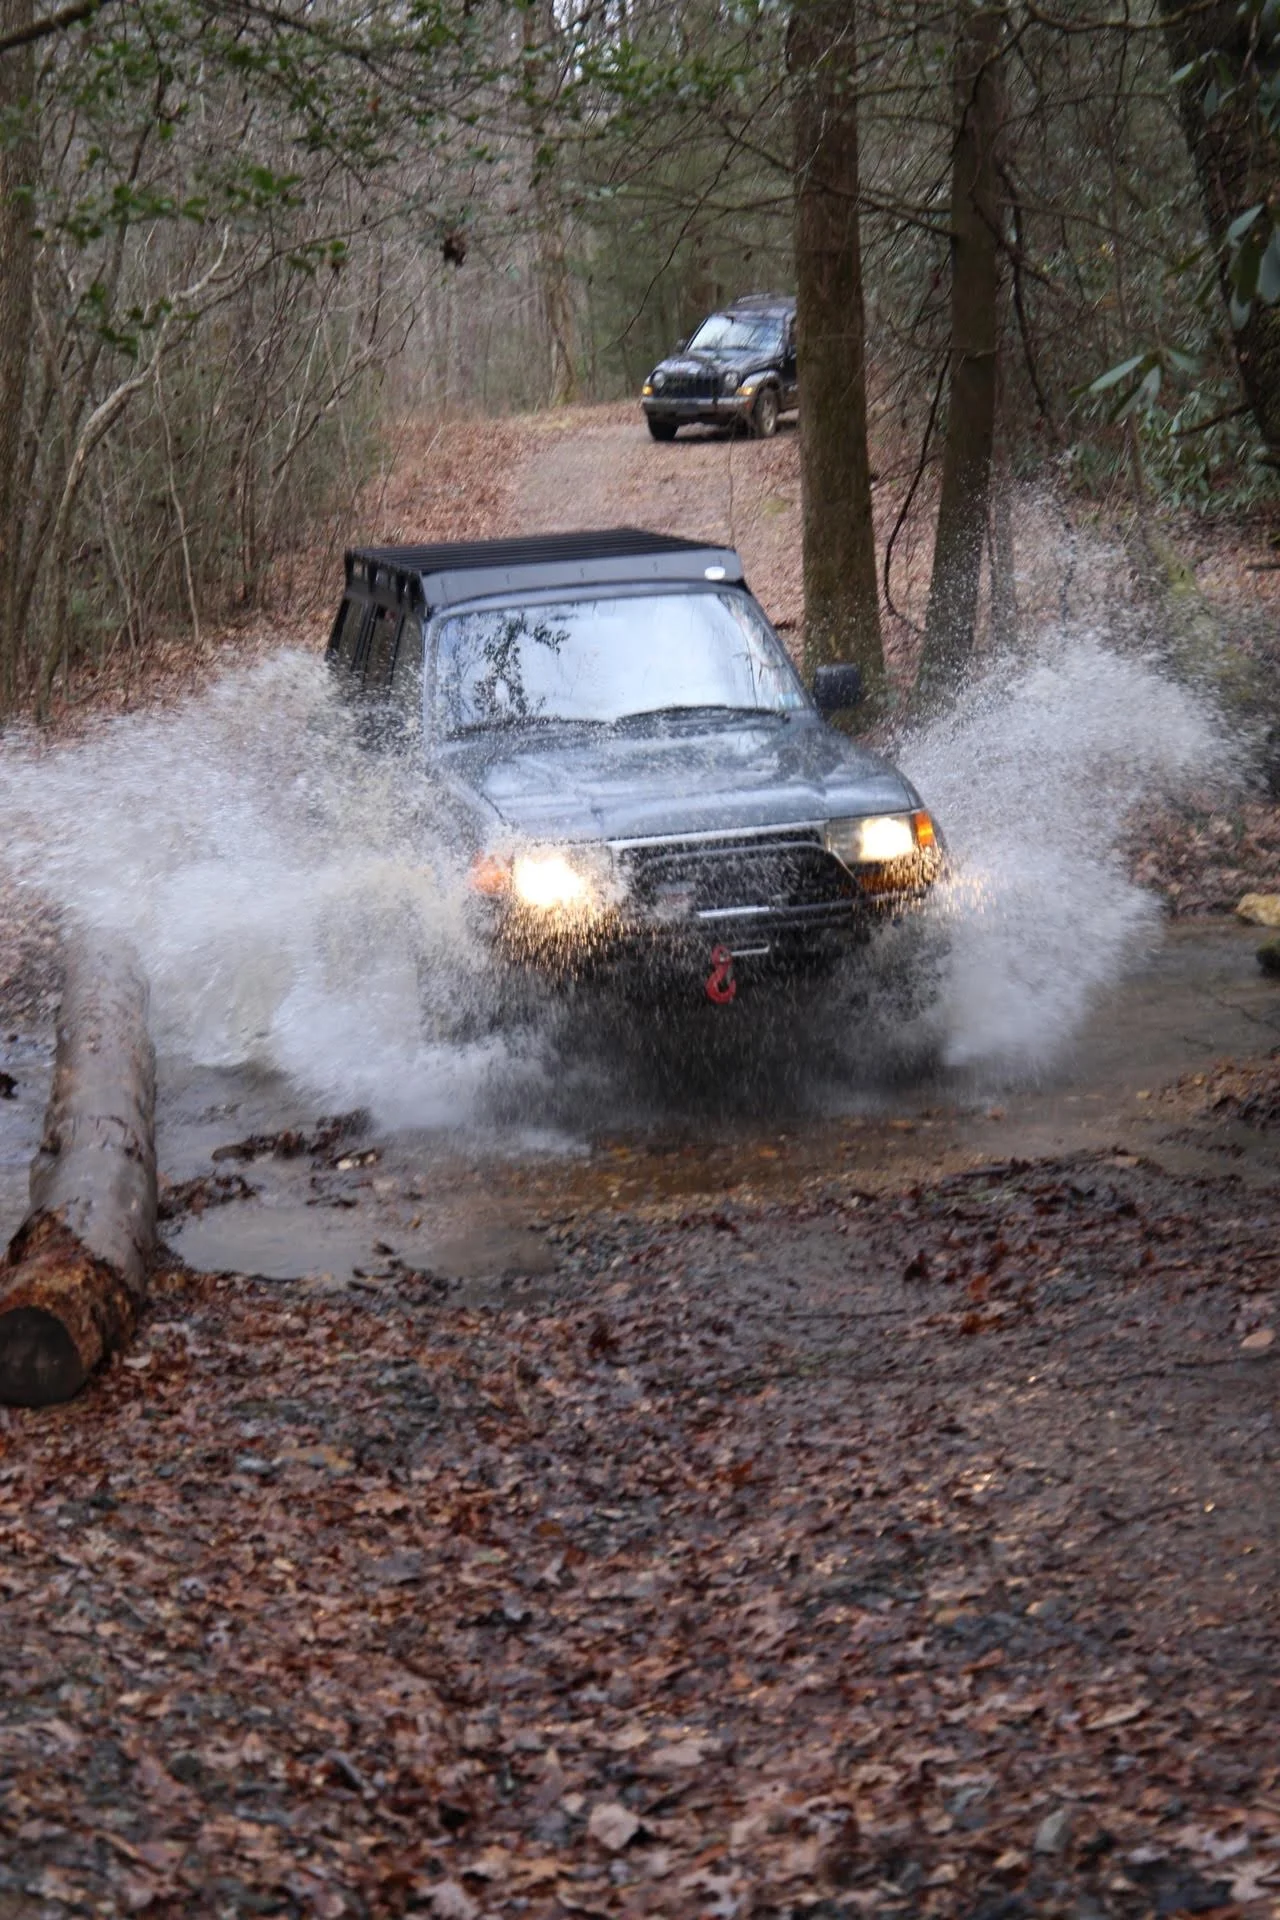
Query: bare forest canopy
(1032,239)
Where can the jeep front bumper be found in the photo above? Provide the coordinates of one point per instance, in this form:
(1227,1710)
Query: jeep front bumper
(682,411)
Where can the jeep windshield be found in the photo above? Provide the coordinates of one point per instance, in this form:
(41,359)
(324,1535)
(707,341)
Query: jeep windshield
(636,657)
(738,333)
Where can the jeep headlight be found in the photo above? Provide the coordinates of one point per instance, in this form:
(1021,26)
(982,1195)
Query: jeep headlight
(659,379)
(872,838)
(730,380)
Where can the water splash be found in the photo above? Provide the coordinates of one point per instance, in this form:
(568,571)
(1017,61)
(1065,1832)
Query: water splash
(1036,776)
(297,903)
(290,895)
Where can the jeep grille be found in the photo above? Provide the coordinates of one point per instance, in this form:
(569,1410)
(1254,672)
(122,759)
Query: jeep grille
(691,386)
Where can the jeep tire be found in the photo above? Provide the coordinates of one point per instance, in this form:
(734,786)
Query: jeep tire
(762,422)
(661,429)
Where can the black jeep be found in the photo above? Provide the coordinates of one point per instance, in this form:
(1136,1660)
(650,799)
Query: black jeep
(738,369)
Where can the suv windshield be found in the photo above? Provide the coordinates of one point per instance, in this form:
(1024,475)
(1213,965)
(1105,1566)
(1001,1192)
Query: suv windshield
(757,332)
(604,660)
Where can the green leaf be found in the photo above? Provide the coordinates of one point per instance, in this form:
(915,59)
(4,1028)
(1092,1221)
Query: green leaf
(1124,405)
(1141,395)
(1242,270)
(1114,375)
(1241,225)
(1269,270)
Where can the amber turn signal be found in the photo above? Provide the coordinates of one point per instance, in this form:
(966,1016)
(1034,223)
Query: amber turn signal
(922,826)
(489,875)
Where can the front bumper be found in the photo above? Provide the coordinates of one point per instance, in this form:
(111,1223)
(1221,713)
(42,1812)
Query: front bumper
(640,954)
(774,899)
(682,411)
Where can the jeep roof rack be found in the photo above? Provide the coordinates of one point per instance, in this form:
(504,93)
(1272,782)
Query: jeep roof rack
(761,300)
(449,571)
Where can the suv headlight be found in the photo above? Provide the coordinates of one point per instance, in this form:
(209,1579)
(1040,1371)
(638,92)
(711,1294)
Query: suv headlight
(730,381)
(872,838)
(577,882)
(551,882)
(659,379)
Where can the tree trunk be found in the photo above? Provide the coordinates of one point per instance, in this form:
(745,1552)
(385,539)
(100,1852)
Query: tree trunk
(971,403)
(841,601)
(74,1277)
(554,279)
(17,269)
(1237,166)
(1003,555)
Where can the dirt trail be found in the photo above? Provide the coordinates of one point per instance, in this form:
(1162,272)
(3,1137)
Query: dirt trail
(599,468)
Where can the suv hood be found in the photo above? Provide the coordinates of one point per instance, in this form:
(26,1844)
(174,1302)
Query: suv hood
(678,779)
(740,360)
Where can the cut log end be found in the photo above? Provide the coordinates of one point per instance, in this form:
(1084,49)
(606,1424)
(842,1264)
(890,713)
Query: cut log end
(74,1278)
(40,1363)
(50,1280)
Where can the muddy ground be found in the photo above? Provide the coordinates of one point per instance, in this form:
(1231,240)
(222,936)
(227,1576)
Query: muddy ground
(725,1501)
(900,1552)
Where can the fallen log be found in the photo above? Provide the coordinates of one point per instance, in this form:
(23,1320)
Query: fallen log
(75,1274)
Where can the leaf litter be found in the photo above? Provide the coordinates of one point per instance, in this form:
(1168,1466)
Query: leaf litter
(910,1555)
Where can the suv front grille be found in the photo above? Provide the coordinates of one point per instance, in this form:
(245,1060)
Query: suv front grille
(690,386)
(777,871)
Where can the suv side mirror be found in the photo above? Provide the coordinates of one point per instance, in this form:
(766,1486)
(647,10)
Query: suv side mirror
(837,687)
(681,345)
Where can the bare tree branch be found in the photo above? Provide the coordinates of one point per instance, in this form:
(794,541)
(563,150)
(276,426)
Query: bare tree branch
(57,22)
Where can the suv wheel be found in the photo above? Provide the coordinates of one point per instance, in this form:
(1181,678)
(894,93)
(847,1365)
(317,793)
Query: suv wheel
(764,415)
(661,429)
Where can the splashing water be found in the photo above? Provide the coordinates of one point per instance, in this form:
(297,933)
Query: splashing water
(294,899)
(288,893)
(1036,778)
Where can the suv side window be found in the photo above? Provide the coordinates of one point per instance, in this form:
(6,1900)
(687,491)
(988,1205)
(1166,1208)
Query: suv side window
(380,649)
(406,675)
(345,637)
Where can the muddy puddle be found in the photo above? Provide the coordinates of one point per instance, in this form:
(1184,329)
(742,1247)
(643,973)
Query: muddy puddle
(468,1206)
(473,1211)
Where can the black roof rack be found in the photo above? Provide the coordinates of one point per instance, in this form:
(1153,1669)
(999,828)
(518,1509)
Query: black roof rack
(761,300)
(448,571)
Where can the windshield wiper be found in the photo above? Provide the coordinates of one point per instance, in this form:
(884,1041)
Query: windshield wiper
(670,713)
(506,723)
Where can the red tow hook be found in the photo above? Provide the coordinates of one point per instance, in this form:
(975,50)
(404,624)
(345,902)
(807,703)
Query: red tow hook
(721,985)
